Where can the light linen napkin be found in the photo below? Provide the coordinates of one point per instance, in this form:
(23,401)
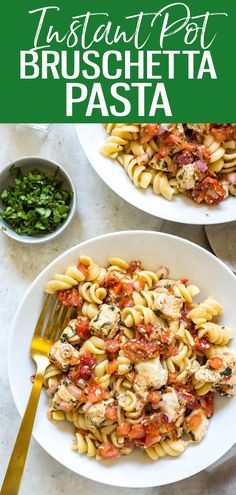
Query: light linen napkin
(222,239)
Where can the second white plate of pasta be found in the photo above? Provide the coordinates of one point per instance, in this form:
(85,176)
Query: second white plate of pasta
(151,184)
(172,373)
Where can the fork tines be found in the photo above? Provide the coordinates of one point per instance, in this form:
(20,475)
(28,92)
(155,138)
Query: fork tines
(53,319)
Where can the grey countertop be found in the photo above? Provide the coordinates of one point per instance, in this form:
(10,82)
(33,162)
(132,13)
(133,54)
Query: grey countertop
(99,211)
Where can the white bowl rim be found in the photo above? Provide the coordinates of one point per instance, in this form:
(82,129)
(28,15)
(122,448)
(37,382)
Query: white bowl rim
(34,282)
(9,232)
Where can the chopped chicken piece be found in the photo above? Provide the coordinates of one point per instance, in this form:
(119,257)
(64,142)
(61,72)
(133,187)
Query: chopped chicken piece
(63,355)
(170,405)
(96,414)
(196,424)
(105,323)
(66,397)
(180,131)
(169,305)
(150,374)
(200,128)
(188,176)
(69,333)
(159,164)
(221,372)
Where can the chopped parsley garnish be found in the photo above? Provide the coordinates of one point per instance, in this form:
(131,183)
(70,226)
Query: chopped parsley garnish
(36,203)
(226,372)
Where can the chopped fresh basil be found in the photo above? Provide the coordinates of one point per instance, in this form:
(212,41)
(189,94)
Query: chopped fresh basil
(36,203)
(226,372)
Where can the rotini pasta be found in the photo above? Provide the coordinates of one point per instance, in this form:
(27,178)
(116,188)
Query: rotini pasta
(138,363)
(204,312)
(139,175)
(194,159)
(167,447)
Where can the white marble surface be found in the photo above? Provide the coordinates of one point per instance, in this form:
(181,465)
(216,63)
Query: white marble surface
(99,211)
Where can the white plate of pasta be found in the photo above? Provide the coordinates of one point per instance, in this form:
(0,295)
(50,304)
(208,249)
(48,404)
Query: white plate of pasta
(129,390)
(186,174)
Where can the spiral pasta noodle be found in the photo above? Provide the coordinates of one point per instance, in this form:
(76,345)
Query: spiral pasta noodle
(138,314)
(85,444)
(161,185)
(136,172)
(205,311)
(92,293)
(167,447)
(216,334)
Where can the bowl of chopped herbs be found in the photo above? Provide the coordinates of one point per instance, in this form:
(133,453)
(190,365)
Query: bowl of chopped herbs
(37,200)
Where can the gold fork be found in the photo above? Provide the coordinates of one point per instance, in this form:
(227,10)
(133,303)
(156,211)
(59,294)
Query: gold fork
(48,328)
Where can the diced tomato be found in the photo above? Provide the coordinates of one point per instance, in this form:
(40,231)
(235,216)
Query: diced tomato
(154,397)
(137,431)
(152,332)
(128,288)
(82,327)
(188,396)
(123,429)
(169,350)
(96,393)
(224,133)
(108,451)
(111,280)
(126,295)
(159,423)
(111,412)
(153,129)
(83,269)
(215,362)
(83,369)
(135,266)
(138,351)
(202,344)
(118,288)
(152,440)
(195,421)
(172,378)
(155,426)
(112,346)
(207,404)
(175,139)
(164,150)
(209,190)
(70,297)
(126,303)
(143,331)
(112,367)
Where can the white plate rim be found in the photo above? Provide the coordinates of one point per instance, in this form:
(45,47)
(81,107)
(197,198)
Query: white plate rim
(11,335)
(206,215)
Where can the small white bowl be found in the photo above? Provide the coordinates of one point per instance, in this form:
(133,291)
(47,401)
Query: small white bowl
(47,166)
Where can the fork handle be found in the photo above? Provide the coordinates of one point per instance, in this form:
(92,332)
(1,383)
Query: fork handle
(12,480)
